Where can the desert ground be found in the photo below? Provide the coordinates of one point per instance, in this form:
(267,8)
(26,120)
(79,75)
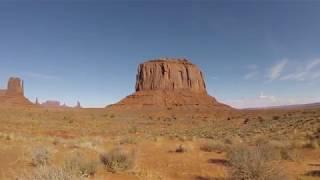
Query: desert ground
(48,143)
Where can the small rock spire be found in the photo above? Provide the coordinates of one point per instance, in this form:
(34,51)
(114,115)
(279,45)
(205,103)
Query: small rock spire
(37,102)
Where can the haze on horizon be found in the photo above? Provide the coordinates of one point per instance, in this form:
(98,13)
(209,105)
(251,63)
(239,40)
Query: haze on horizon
(253,54)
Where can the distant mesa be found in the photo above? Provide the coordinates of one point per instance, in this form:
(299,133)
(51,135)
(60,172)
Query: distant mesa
(56,104)
(51,104)
(14,94)
(170,83)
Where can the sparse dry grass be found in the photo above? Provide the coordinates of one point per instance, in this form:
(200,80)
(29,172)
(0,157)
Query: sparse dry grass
(52,129)
(82,167)
(49,173)
(73,168)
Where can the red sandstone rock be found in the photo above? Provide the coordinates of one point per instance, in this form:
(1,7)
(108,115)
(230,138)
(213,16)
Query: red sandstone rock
(14,94)
(170,75)
(15,87)
(170,83)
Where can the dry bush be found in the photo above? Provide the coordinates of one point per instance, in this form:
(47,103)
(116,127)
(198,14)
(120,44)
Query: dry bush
(260,140)
(39,156)
(276,117)
(118,160)
(213,146)
(181,149)
(269,152)
(128,140)
(133,129)
(290,154)
(313,144)
(277,150)
(280,144)
(248,163)
(233,140)
(299,143)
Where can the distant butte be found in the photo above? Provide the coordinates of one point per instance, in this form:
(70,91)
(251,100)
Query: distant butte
(14,94)
(170,83)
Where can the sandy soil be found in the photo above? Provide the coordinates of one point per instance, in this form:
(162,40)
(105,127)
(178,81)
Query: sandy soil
(153,137)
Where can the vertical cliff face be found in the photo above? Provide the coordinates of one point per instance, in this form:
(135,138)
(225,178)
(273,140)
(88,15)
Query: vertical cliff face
(15,87)
(171,75)
(170,83)
(14,94)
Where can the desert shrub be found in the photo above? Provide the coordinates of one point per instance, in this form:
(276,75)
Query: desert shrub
(290,154)
(269,152)
(233,140)
(261,140)
(213,146)
(88,169)
(128,140)
(181,149)
(39,156)
(270,149)
(248,163)
(299,143)
(313,174)
(133,130)
(246,121)
(118,160)
(276,117)
(313,144)
(276,150)
(280,144)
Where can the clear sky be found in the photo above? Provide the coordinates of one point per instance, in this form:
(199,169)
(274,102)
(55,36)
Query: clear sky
(253,53)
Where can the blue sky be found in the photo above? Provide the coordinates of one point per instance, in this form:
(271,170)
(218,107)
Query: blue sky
(253,53)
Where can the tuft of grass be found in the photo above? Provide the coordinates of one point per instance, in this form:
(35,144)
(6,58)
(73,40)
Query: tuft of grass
(118,160)
(40,156)
(233,140)
(213,146)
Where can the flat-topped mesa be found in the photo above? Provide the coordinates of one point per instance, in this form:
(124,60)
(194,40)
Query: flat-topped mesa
(170,83)
(170,74)
(15,87)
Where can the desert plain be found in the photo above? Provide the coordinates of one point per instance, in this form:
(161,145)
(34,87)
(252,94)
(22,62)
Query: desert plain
(169,129)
